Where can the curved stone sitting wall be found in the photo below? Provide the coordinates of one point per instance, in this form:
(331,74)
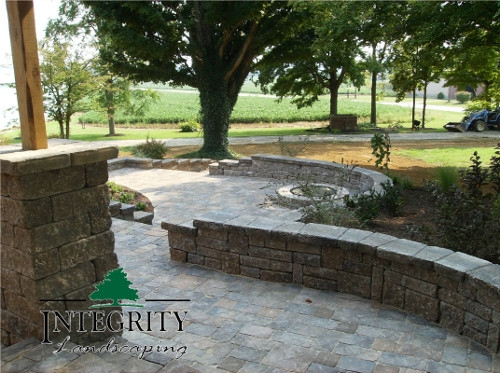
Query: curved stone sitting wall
(357,179)
(455,290)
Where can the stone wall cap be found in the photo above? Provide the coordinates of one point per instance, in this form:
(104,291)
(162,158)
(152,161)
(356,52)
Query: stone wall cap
(55,157)
(489,275)
(213,219)
(457,264)
(400,250)
(320,234)
(429,255)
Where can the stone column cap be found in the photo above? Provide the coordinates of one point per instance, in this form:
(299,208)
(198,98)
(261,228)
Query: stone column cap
(55,157)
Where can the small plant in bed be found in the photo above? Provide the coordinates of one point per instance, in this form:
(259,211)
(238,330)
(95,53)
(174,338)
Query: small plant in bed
(152,148)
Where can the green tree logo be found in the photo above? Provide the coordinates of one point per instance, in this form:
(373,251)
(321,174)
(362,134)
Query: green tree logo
(115,286)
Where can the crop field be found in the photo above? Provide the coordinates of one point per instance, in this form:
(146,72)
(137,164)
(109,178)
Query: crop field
(183,105)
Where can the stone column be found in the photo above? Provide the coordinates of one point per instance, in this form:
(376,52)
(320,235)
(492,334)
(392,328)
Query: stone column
(56,241)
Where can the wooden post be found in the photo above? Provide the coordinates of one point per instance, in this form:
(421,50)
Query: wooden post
(27,73)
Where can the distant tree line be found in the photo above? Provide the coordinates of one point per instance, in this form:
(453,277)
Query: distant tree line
(297,49)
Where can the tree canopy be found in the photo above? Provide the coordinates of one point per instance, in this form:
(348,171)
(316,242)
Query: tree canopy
(211,46)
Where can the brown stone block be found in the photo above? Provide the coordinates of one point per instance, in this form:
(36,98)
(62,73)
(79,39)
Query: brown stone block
(307,259)
(209,253)
(326,273)
(83,294)
(211,243)
(353,256)
(17,260)
(476,322)
(213,263)
(220,235)
(303,247)
(79,202)
(493,341)
(26,214)
(103,264)
(467,289)
(182,242)
(86,249)
(452,298)
(320,283)
(61,283)
(276,265)
(475,335)
(249,261)
(45,263)
(195,259)
(100,220)
(5,338)
(356,267)
(178,255)
(249,271)
(7,234)
(479,310)
(256,239)
(11,281)
(488,298)
(14,324)
(420,286)
(351,283)
(377,284)
(23,307)
(52,235)
(332,257)
(376,261)
(238,243)
(422,305)
(86,156)
(45,184)
(264,252)
(96,173)
(230,263)
(274,276)
(416,272)
(274,244)
(447,282)
(297,273)
(28,287)
(451,317)
(393,294)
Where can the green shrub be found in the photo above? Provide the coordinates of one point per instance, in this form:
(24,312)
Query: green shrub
(440,96)
(152,148)
(381,149)
(469,212)
(446,177)
(190,126)
(140,206)
(462,97)
(114,188)
(365,206)
(126,197)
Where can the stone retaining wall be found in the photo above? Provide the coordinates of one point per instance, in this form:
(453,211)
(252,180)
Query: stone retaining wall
(180,164)
(455,290)
(56,241)
(357,180)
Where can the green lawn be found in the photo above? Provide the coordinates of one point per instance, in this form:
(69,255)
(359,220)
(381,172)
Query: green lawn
(456,157)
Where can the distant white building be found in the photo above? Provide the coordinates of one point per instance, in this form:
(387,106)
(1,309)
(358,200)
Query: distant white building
(433,89)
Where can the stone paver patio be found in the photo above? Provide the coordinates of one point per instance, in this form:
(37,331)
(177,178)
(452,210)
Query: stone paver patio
(238,324)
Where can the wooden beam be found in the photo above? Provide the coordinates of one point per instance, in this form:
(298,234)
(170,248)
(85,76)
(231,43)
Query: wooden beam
(27,73)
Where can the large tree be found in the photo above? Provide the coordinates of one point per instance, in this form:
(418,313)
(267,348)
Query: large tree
(321,55)
(211,46)
(67,78)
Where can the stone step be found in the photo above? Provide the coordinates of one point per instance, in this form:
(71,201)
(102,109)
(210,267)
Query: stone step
(144,217)
(127,211)
(114,208)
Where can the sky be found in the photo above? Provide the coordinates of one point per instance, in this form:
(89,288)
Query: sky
(44,10)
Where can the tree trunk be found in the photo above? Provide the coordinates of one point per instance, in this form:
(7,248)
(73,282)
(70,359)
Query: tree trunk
(68,121)
(424,104)
(413,107)
(61,128)
(373,98)
(110,103)
(216,107)
(334,98)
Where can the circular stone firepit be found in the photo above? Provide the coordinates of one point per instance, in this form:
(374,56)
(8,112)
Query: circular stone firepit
(301,195)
